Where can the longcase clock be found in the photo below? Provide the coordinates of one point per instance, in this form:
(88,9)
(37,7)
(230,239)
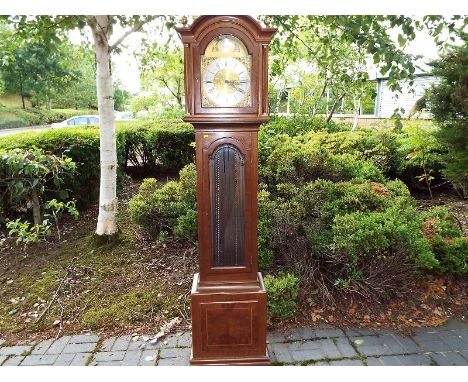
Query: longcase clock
(226,77)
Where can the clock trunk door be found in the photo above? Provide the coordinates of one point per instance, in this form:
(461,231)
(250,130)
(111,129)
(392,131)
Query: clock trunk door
(227,191)
(227,200)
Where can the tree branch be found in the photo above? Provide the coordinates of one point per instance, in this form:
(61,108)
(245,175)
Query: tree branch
(136,28)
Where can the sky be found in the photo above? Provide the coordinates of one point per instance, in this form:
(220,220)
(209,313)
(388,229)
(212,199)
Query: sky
(125,65)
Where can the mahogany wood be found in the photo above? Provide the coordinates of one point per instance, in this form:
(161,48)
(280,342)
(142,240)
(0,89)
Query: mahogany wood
(228,302)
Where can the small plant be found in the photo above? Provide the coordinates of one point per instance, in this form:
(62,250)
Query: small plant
(282,291)
(26,175)
(57,209)
(26,232)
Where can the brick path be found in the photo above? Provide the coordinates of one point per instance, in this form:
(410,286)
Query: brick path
(326,345)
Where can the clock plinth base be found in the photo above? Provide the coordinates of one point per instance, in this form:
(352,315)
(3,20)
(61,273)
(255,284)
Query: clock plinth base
(229,323)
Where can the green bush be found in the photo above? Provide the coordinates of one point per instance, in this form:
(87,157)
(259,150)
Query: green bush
(152,146)
(282,291)
(443,232)
(157,145)
(447,102)
(80,144)
(169,208)
(289,160)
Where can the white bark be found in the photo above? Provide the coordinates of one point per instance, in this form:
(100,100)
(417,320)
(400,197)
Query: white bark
(106,224)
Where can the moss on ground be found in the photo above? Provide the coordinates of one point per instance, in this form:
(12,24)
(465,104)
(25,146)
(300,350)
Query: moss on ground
(125,283)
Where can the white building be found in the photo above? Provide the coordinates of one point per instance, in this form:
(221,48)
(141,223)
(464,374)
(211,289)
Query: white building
(387,101)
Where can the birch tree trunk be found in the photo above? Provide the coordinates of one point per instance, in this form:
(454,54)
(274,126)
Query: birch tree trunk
(106,224)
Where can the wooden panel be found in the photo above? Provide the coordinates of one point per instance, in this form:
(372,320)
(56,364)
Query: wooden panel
(233,321)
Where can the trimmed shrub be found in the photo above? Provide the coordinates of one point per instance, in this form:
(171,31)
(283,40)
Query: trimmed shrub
(169,208)
(443,232)
(153,146)
(282,291)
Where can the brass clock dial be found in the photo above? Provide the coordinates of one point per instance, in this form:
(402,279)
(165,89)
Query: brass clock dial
(226,79)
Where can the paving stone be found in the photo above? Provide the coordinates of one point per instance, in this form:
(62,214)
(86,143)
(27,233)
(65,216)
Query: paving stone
(407,343)
(347,362)
(58,345)
(83,339)
(374,361)
(276,337)
(108,343)
(42,347)
(145,360)
(174,362)
(303,345)
(121,343)
(13,361)
(308,355)
(453,324)
(108,356)
(185,340)
(169,342)
(39,359)
(80,359)
(86,347)
(415,360)
(389,360)
(357,332)
(64,359)
(464,353)
(139,345)
(110,363)
(281,353)
(372,346)
(329,332)
(15,350)
(330,349)
(132,357)
(449,359)
(345,348)
(300,334)
(455,341)
(2,359)
(320,363)
(175,352)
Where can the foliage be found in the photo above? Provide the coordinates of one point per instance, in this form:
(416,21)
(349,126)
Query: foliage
(282,291)
(448,104)
(265,253)
(151,146)
(26,175)
(442,230)
(36,70)
(26,232)
(56,210)
(162,71)
(168,208)
(121,97)
(421,151)
(356,237)
(81,93)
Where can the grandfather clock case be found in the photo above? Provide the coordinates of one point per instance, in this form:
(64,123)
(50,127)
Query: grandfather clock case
(226,78)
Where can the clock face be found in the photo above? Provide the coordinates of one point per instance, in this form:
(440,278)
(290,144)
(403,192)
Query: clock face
(226,79)
(226,82)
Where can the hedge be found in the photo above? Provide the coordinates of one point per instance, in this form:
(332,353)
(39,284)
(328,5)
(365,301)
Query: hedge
(146,145)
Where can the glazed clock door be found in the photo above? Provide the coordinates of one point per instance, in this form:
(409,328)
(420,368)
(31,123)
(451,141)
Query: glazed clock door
(226,75)
(227,191)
